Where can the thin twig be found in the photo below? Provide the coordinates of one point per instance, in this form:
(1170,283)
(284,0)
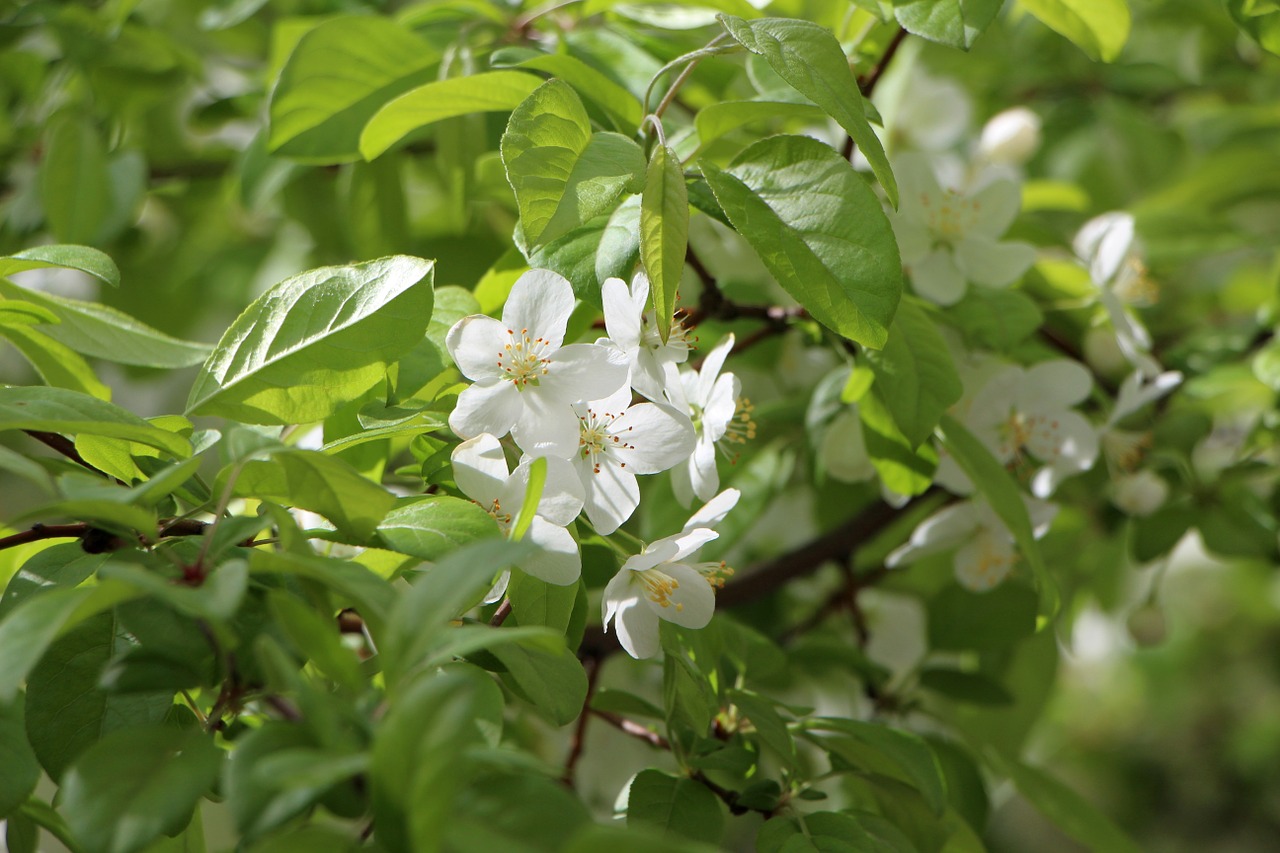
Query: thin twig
(64,446)
(578,741)
(500,615)
(867,84)
(634,729)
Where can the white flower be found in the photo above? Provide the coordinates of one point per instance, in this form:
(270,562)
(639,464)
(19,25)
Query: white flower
(986,549)
(712,402)
(1139,494)
(617,441)
(659,583)
(1010,137)
(634,330)
(1107,246)
(1124,448)
(480,470)
(948,239)
(843,450)
(525,381)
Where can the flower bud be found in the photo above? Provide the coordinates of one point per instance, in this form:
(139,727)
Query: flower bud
(1139,494)
(1011,137)
(1147,625)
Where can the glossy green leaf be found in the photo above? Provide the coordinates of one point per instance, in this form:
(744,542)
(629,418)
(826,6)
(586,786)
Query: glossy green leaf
(321,483)
(379,422)
(809,58)
(1073,813)
(338,76)
(136,785)
(1098,27)
(22,314)
(548,674)
(890,752)
(62,411)
(564,175)
(664,232)
(491,91)
(103,332)
(75,188)
(536,602)
(683,808)
(432,527)
(316,340)
(819,229)
(601,249)
(86,259)
(957,23)
(1258,18)
(57,365)
(217,599)
(915,375)
(592,85)
(998,487)
(66,709)
(21,770)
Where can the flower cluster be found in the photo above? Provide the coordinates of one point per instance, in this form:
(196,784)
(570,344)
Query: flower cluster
(601,414)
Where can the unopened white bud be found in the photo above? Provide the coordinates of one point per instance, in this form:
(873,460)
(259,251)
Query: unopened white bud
(1139,494)
(1011,137)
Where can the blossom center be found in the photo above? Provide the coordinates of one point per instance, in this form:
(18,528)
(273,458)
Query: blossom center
(740,429)
(494,509)
(1021,429)
(659,587)
(716,573)
(680,338)
(595,440)
(524,359)
(952,216)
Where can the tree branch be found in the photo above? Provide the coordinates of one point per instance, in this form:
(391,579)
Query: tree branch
(867,83)
(634,729)
(578,741)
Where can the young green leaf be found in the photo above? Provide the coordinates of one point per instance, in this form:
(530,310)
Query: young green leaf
(62,411)
(998,487)
(564,175)
(57,364)
(532,496)
(491,91)
(75,188)
(544,671)
(819,229)
(429,528)
(664,232)
(683,808)
(715,120)
(1098,27)
(315,341)
(957,24)
(614,100)
(891,752)
(809,58)
(914,373)
(601,249)
(86,259)
(339,75)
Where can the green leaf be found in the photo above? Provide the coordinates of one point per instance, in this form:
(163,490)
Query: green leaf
(353,584)
(64,565)
(1070,811)
(715,120)
(66,709)
(1258,18)
(957,23)
(528,813)
(22,314)
(994,319)
(592,85)
(664,232)
(997,485)
(62,411)
(532,497)
(316,638)
(914,373)
(564,175)
(316,340)
(819,229)
(769,725)
(75,188)
(259,803)
(57,365)
(217,599)
(536,602)
(86,259)
(810,59)
(27,631)
(432,527)
(960,619)
(1098,27)
(971,687)
(338,76)
(309,838)
(548,674)
(136,785)
(902,468)
(491,91)
(682,808)
(888,751)
(21,770)
(601,249)
(103,332)
(321,483)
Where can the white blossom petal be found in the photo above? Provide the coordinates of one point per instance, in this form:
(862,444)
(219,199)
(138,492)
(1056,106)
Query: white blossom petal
(480,469)
(720,406)
(541,302)
(691,603)
(943,530)
(584,372)
(990,263)
(984,561)
(611,494)
(547,426)
(621,319)
(562,495)
(652,437)
(1057,383)
(558,560)
(711,369)
(997,205)
(635,624)
(476,343)
(937,278)
(492,408)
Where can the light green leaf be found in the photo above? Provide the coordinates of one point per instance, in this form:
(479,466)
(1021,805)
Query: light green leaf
(952,22)
(998,487)
(62,411)
(536,602)
(316,340)
(809,58)
(378,422)
(1098,27)
(715,120)
(75,188)
(103,332)
(1260,19)
(432,527)
(601,249)
(1073,813)
(321,483)
(84,258)
(532,497)
(564,175)
(592,85)
(819,229)
(664,232)
(891,752)
(492,91)
(22,314)
(683,808)
(338,76)
(138,784)
(914,373)
(57,365)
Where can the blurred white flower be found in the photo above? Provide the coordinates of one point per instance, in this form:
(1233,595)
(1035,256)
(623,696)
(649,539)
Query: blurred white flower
(1139,494)
(1107,245)
(1010,137)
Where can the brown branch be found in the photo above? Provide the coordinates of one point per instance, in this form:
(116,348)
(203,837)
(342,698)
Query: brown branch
(634,729)
(44,531)
(500,615)
(867,83)
(93,536)
(578,741)
(62,445)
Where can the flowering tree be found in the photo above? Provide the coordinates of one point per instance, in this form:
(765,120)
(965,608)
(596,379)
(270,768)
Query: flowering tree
(747,326)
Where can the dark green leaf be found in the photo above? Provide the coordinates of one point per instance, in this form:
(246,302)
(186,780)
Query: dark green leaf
(960,619)
(75,188)
(994,319)
(890,752)
(914,373)
(546,673)
(21,770)
(321,483)
(972,687)
(1070,811)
